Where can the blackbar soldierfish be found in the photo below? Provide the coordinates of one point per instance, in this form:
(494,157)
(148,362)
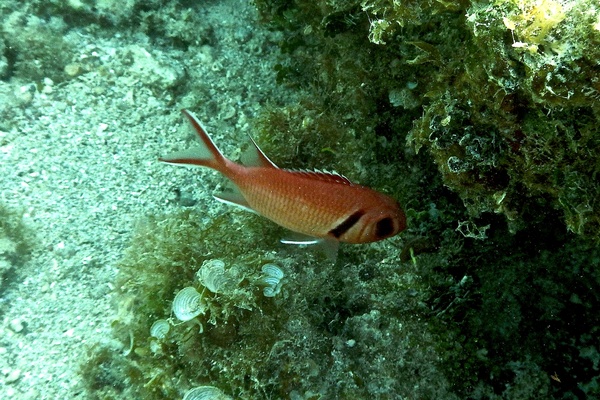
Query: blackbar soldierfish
(324,206)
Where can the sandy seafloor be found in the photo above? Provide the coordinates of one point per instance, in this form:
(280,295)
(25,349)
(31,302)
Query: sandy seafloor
(79,158)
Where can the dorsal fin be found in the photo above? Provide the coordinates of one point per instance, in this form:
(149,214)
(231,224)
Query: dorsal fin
(254,157)
(326,176)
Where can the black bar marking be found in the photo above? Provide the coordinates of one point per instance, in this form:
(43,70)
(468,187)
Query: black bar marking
(347,224)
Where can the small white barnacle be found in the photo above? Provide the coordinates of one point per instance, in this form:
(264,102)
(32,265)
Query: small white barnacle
(205,393)
(188,304)
(160,329)
(213,276)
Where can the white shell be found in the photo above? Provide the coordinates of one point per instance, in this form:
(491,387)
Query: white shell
(213,276)
(271,291)
(205,393)
(160,329)
(272,279)
(273,271)
(188,304)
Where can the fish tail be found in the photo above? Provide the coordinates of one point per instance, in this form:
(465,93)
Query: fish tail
(206,155)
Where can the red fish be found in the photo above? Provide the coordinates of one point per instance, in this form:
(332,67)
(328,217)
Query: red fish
(325,207)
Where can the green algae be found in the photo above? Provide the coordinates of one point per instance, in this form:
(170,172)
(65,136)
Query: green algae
(36,48)
(16,242)
(303,340)
(509,89)
(509,114)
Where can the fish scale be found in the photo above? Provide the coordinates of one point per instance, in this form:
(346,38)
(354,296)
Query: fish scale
(282,208)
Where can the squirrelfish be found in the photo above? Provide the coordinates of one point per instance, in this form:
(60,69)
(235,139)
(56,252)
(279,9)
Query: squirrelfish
(320,206)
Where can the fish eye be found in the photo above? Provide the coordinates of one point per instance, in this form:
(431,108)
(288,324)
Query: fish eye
(384,227)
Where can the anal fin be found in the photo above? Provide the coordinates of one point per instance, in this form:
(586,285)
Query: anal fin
(234,197)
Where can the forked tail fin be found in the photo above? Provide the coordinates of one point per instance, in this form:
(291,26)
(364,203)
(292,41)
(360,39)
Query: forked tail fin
(206,155)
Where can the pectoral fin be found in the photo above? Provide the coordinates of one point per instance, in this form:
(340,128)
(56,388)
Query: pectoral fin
(328,246)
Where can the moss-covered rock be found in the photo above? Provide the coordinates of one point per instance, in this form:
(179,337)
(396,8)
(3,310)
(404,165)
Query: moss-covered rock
(301,342)
(503,97)
(509,89)
(16,242)
(459,305)
(512,122)
(36,48)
